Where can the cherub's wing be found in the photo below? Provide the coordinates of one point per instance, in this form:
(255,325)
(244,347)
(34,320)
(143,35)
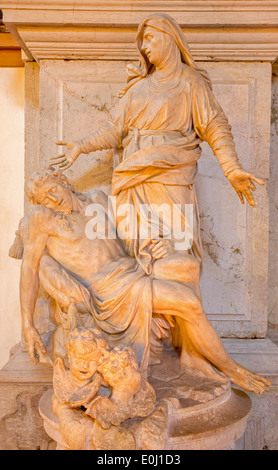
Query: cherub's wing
(83,395)
(63,388)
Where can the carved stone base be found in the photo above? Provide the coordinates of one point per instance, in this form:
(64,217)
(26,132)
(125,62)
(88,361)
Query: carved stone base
(202,413)
(21,386)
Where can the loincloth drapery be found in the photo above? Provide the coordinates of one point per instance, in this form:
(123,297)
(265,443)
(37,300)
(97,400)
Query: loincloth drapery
(119,300)
(122,298)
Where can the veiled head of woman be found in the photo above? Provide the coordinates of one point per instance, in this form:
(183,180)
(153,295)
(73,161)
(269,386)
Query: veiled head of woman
(159,41)
(161,44)
(159,48)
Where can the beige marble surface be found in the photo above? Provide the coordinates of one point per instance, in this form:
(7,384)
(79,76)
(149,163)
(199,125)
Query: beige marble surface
(235,236)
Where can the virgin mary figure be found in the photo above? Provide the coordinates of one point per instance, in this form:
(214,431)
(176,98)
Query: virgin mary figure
(164,113)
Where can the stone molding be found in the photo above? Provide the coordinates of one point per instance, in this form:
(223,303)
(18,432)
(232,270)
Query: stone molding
(216,30)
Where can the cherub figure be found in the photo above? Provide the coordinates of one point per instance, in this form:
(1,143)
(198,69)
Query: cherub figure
(81,382)
(75,387)
(75,400)
(131,395)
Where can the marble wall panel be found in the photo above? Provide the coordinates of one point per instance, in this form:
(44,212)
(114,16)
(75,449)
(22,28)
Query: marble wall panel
(235,236)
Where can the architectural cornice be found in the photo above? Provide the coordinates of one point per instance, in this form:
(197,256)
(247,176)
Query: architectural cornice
(73,29)
(143,5)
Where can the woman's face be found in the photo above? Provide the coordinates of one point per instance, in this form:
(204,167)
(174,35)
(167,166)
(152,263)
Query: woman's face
(153,45)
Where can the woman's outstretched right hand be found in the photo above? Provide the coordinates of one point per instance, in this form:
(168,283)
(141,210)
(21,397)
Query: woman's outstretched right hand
(65,160)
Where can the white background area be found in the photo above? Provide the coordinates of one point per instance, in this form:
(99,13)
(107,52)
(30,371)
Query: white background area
(11,202)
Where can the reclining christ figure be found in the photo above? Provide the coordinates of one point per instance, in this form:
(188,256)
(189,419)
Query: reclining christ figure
(96,276)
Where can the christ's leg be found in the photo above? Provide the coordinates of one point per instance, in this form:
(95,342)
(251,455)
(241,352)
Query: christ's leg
(181,267)
(176,299)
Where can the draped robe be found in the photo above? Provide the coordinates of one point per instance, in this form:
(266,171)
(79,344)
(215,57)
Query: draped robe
(160,129)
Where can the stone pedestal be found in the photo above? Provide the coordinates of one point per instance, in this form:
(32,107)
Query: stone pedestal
(202,413)
(260,356)
(21,387)
(208,427)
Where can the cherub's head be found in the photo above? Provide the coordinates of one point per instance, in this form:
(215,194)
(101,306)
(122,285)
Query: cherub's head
(86,347)
(49,187)
(119,364)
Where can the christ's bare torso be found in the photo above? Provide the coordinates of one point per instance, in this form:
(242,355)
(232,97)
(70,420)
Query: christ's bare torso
(70,246)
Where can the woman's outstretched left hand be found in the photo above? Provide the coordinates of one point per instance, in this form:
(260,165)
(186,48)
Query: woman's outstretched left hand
(241,181)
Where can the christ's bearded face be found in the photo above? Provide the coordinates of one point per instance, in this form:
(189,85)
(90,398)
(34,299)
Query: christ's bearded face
(55,196)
